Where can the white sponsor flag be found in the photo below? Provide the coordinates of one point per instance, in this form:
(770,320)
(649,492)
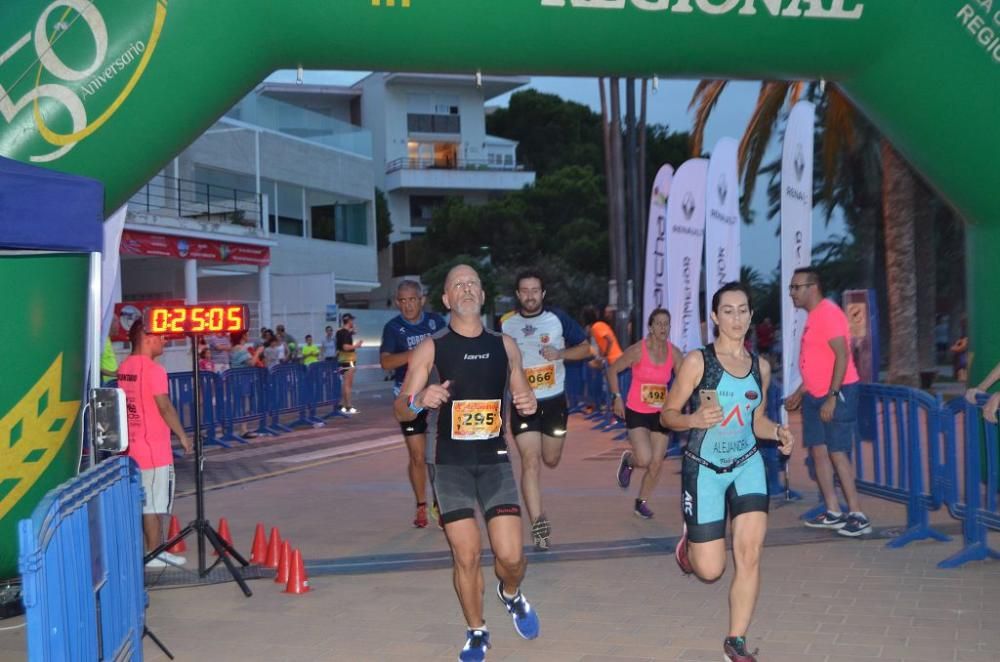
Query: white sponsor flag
(685,240)
(796,231)
(111,281)
(654,290)
(722,221)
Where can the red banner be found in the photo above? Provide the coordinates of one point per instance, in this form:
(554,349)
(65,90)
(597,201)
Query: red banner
(127,312)
(188,248)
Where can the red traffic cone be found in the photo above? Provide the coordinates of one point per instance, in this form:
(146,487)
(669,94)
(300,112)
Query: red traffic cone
(284,563)
(298,582)
(224,533)
(258,548)
(175,528)
(273,549)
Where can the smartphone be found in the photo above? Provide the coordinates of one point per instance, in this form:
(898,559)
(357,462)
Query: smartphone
(708,397)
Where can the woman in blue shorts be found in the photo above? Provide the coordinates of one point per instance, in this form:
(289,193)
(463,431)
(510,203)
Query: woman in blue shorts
(722,472)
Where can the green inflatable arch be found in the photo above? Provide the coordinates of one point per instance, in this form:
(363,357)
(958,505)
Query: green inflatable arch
(112,89)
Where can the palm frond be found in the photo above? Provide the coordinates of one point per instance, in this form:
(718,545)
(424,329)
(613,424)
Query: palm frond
(705,96)
(839,141)
(758,134)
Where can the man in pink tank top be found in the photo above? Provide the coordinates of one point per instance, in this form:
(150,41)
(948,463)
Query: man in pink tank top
(828,397)
(151,418)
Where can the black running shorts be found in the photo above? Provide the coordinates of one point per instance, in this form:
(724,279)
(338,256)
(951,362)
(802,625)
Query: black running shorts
(459,488)
(651,422)
(549,419)
(416,426)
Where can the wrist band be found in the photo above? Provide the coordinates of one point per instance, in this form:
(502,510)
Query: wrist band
(412,407)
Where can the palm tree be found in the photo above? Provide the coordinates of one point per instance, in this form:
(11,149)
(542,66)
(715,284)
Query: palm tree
(839,147)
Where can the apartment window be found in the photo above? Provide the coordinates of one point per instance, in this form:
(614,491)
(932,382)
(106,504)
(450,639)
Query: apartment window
(334,221)
(289,206)
(422,209)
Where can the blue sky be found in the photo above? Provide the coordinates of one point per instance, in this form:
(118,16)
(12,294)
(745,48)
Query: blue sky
(668,105)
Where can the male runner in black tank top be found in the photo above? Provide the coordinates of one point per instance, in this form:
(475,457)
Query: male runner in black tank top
(471,466)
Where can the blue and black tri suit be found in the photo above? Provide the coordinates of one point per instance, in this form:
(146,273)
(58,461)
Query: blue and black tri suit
(722,470)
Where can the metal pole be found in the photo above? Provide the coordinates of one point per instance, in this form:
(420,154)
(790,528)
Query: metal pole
(631,200)
(199,457)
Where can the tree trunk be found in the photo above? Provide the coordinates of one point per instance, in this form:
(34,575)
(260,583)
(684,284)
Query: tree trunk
(897,209)
(619,256)
(926,257)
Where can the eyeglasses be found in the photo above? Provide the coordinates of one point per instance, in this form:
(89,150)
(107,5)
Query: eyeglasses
(471,285)
(796,287)
(408,300)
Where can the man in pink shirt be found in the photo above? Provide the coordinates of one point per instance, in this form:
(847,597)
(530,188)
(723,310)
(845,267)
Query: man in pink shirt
(828,397)
(151,418)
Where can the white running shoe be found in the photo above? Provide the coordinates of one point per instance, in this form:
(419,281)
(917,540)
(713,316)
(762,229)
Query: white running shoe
(172,559)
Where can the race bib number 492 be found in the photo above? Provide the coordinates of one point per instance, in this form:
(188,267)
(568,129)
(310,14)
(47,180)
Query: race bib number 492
(654,394)
(475,420)
(541,376)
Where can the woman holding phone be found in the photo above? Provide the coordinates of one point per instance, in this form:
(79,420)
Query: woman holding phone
(653,362)
(722,470)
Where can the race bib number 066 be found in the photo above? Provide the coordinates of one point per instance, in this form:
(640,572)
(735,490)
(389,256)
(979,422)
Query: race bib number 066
(475,420)
(541,376)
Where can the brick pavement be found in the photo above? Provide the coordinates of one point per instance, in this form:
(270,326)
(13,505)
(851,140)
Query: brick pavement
(830,601)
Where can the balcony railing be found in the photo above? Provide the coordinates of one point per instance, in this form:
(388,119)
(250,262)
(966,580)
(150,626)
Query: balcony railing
(200,201)
(428,123)
(449,164)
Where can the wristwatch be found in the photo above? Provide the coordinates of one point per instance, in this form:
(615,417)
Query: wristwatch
(615,395)
(834,393)
(415,409)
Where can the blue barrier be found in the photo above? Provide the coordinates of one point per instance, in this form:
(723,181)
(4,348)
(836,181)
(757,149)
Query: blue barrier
(181,387)
(245,401)
(972,495)
(575,386)
(325,387)
(776,464)
(624,384)
(903,460)
(288,393)
(81,567)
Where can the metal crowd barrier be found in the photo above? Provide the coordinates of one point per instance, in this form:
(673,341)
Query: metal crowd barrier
(181,388)
(81,567)
(894,460)
(326,387)
(245,402)
(969,477)
(288,393)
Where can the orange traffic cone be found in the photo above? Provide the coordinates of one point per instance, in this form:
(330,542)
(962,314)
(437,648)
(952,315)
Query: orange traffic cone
(258,549)
(224,533)
(298,582)
(284,563)
(175,528)
(273,549)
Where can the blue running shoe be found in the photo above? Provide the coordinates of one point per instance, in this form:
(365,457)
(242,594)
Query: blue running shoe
(525,618)
(476,643)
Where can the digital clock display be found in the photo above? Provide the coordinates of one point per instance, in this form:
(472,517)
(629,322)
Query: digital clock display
(202,318)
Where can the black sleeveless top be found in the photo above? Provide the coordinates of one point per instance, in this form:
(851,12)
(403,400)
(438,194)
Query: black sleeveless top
(469,425)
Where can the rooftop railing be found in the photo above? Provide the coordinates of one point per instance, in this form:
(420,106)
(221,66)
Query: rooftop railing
(201,201)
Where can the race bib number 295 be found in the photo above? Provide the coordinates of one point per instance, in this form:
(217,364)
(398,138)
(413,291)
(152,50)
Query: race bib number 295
(475,420)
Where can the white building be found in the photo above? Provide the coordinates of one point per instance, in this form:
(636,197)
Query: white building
(430,143)
(272,206)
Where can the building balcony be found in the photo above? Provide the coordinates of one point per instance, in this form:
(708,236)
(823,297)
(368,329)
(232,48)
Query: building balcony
(200,207)
(455,174)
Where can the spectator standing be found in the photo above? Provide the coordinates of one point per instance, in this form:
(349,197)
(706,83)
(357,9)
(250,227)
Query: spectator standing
(310,352)
(151,418)
(828,397)
(288,340)
(205,363)
(348,359)
(109,362)
(607,348)
(241,352)
(330,345)
(219,346)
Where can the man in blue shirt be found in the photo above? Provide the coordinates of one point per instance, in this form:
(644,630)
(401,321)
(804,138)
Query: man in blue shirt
(399,337)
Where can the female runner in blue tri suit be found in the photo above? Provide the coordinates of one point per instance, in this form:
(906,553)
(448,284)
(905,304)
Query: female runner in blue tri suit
(722,470)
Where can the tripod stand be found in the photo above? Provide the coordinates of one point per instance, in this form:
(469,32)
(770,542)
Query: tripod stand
(200,525)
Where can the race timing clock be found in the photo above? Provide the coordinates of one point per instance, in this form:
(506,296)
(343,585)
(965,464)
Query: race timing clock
(201,318)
